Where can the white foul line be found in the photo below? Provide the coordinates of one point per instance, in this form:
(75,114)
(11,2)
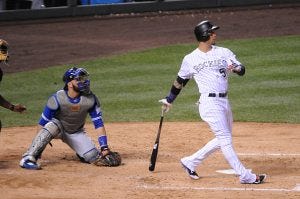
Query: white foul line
(268,154)
(296,189)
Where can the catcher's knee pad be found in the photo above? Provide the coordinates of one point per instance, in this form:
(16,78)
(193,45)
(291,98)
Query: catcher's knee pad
(91,156)
(53,127)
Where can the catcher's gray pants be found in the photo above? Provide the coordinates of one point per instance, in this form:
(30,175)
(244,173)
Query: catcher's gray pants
(78,141)
(81,144)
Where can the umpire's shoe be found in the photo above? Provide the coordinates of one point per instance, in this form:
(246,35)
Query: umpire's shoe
(29,162)
(191,173)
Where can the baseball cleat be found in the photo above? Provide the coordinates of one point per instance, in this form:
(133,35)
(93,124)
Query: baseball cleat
(191,173)
(260,178)
(28,164)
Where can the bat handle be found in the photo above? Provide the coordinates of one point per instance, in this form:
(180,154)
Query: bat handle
(163,110)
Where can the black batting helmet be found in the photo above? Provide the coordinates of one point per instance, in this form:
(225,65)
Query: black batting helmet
(204,29)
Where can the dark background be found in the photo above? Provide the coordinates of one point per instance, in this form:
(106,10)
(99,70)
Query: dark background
(43,43)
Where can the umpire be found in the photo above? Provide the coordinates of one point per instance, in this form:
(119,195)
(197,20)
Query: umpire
(4,60)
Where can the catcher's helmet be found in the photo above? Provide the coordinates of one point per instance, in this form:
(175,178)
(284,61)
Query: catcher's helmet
(204,29)
(81,76)
(3,51)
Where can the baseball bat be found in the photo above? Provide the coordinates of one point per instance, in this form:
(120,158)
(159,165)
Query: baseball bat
(156,144)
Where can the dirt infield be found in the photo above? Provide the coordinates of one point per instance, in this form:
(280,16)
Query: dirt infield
(269,148)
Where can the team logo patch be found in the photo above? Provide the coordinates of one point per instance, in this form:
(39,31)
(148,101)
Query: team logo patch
(75,108)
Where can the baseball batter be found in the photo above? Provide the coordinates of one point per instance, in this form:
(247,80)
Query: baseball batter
(3,102)
(64,118)
(210,66)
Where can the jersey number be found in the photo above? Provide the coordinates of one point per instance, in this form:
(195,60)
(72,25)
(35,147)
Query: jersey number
(223,71)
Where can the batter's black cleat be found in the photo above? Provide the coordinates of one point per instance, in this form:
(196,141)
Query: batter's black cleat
(260,178)
(191,173)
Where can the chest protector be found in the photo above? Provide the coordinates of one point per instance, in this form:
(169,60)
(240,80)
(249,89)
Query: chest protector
(72,115)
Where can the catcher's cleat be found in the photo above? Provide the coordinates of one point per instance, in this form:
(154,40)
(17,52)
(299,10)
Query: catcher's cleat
(191,173)
(260,179)
(27,163)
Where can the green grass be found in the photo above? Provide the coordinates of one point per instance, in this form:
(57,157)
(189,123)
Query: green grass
(129,86)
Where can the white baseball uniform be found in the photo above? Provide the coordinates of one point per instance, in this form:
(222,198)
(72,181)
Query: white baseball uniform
(210,71)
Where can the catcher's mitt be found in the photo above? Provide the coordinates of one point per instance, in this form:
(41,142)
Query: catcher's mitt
(112,159)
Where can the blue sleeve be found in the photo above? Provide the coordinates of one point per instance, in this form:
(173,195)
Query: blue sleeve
(49,110)
(96,114)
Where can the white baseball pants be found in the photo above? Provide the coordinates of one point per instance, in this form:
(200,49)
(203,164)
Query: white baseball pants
(216,111)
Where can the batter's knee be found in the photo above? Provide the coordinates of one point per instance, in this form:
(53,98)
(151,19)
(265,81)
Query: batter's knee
(224,139)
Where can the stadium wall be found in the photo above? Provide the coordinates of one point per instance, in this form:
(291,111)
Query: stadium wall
(73,10)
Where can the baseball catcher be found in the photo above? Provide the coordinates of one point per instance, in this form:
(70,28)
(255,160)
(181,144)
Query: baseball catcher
(4,59)
(64,117)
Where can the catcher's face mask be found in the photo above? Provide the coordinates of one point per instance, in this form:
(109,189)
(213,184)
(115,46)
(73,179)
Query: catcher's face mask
(3,51)
(83,81)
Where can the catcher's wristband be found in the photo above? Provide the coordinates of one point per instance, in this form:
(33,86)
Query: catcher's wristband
(103,142)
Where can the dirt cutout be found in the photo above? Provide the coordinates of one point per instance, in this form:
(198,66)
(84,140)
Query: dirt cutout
(264,148)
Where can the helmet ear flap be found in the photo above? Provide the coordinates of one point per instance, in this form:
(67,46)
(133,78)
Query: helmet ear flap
(201,35)
(206,36)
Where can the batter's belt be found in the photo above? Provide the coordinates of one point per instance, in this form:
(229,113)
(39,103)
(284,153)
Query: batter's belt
(217,94)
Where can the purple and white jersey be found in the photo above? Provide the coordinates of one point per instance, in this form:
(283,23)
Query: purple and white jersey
(208,69)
